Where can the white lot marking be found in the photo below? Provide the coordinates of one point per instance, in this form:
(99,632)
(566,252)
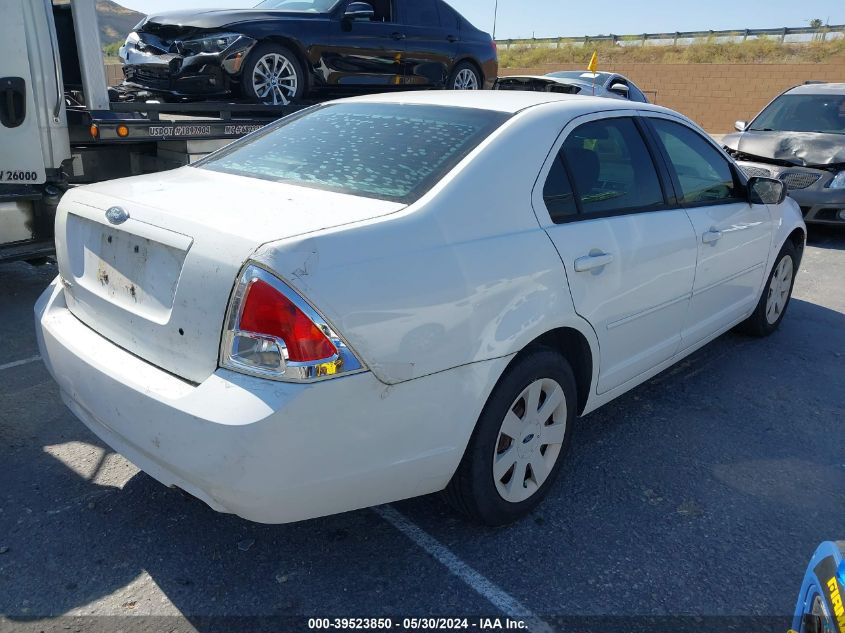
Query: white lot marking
(18,363)
(499,598)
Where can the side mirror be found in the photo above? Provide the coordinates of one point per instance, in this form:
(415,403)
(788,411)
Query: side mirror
(620,89)
(740,126)
(766,191)
(359,11)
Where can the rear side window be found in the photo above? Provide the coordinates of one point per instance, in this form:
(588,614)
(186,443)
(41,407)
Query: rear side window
(380,150)
(449,18)
(611,167)
(558,194)
(421,13)
(705,176)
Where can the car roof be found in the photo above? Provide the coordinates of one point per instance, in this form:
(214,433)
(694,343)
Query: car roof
(818,89)
(509,101)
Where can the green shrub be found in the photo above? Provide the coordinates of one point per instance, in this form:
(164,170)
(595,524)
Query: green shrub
(761,50)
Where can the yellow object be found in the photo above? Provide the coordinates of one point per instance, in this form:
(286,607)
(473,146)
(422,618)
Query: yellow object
(594,62)
(122,131)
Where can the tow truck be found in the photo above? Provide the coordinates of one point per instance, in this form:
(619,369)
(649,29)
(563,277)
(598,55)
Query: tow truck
(61,125)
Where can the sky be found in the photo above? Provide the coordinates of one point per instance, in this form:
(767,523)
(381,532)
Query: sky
(553,18)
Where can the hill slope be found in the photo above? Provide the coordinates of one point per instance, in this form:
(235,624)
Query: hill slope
(115,21)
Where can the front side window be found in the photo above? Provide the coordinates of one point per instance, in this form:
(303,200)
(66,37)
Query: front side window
(611,167)
(388,151)
(422,13)
(703,173)
(382,10)
(635,94)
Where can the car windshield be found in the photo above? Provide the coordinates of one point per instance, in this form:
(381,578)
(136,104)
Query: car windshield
(581,75)
(300,6)
(803,113)
(378,150)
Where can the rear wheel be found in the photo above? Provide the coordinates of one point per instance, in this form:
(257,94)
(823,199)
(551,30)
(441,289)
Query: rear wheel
(773,302)
(273,76)
(518,444)
(464,77)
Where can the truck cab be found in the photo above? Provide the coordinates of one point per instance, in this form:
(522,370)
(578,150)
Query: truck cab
(62,125)
(33,126)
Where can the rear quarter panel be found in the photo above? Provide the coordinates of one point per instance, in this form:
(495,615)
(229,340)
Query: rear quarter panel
(465,274)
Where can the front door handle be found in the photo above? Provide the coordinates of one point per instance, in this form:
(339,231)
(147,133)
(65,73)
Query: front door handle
(592,261)
(712,236)
(398,36)
(451,38)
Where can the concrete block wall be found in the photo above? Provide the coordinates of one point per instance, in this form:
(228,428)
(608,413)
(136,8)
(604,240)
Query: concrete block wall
(114,74)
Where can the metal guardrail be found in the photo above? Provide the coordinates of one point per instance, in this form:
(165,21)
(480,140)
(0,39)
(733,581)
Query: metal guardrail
(682,37)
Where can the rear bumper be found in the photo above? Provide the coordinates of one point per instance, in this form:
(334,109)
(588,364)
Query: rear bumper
(267,451)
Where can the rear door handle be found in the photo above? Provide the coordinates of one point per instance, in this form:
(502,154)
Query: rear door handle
(592,261)
(712,236)
(398,36)
(451,38)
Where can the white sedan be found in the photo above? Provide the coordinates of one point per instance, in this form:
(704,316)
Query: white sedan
(394,295)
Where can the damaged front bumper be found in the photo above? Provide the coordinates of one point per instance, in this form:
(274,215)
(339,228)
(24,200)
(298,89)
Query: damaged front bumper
(810,188)
(173,69)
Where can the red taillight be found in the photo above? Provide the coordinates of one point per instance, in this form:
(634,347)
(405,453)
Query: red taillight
(272,332)
(495,46)
(267,311)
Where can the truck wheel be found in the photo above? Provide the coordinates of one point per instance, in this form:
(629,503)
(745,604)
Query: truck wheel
(273,76)
(518,445)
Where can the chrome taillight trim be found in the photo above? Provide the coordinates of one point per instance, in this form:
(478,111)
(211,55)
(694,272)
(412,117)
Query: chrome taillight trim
(301,372)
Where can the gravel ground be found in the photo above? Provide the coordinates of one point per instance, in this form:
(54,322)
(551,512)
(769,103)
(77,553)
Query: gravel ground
(704,492)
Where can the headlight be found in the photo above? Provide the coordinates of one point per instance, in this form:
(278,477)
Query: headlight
(132,41)
(216,43)
(838,181)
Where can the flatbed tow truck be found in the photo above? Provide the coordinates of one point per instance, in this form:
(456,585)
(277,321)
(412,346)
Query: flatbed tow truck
(61,125)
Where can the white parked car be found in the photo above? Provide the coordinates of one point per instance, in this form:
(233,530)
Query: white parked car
(394,295)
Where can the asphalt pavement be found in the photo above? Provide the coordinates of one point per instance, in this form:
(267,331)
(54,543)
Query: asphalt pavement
(702,493)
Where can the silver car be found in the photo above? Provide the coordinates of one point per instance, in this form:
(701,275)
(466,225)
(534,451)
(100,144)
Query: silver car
(576,82)
(800,139)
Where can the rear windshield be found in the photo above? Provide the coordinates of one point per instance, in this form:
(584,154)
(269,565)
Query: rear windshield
(803,113)
(379,150)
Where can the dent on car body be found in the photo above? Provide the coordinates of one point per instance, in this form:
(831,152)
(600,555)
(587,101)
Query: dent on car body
(805,149)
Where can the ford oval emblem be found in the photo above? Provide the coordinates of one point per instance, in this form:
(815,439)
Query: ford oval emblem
(116,215)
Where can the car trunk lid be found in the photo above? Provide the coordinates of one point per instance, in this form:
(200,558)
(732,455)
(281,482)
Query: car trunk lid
(158,283)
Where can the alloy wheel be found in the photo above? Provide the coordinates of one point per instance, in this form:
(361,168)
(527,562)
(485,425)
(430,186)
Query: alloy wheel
(779,289)
(274,79)
(530,440)
(465,80)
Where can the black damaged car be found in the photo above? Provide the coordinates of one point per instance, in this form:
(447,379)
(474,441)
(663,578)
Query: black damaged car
(800,138)
(283,50)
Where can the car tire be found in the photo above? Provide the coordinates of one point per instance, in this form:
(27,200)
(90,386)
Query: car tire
(486,487)
(464,76)
(285,83)
(775,297)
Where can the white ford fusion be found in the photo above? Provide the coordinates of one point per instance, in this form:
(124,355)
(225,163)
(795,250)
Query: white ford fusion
(394,295)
